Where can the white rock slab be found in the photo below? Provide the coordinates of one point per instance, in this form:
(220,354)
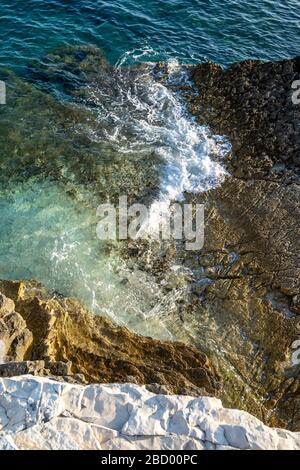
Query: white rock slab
(39,413)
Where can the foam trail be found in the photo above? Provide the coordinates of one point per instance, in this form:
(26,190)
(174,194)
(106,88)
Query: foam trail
(137,114)
(144,112)
(192,156)
(191,153)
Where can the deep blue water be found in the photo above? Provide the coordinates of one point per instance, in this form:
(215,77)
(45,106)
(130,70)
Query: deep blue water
(190,30)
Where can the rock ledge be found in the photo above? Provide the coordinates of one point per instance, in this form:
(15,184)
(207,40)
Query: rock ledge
(39,413)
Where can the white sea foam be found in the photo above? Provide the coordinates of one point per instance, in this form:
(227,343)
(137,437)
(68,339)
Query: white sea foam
(139,113)
(146,113)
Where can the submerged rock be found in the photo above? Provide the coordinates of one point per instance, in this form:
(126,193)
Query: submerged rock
(61,330)
(69,120)
(44,414)
(241,301)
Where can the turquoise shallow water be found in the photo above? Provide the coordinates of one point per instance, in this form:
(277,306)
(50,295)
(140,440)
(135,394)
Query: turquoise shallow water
(83,125)
(106,131)
(191,30)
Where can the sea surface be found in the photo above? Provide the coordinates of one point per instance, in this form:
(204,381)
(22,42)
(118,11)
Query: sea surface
(89,118)
(188,30)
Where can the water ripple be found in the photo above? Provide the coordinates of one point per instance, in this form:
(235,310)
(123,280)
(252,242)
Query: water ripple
(194,30)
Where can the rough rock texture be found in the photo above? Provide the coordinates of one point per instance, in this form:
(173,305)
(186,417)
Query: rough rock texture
(251,102)
(251,260)
(56,140)
(37,413)
(239,296)
(240,293)
(62,331)
(14,334)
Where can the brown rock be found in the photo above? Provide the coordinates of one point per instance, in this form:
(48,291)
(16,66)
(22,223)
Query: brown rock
(13,369)
(72,341)
(251,102)
(14,334)
(255,214)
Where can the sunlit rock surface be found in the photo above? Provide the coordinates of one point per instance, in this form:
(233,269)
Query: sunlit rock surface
(43,335)
(251,252)
(38,413)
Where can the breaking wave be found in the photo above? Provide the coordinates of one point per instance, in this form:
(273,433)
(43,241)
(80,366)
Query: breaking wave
(147,111)
(134,112)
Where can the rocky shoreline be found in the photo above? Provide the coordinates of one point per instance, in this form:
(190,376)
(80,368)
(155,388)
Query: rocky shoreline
(43,335)
(245,286)
(256,214)
(243,294)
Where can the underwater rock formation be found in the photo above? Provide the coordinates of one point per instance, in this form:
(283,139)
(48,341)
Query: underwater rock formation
(243,286)
(237,299)
(68,101)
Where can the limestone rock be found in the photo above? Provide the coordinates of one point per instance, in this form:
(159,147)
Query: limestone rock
(14,335)
(38,413)
(39,367)
(242,296)
(13,369)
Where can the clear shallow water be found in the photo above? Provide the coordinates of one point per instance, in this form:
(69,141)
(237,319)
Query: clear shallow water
(132,118)
(48,236)
(191,30)
(104,132)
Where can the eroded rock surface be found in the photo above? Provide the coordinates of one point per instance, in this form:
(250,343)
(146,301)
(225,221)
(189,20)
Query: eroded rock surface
(37,413)
(240,293)
(237,299)
(251,102)
(251,253)
(62,331)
